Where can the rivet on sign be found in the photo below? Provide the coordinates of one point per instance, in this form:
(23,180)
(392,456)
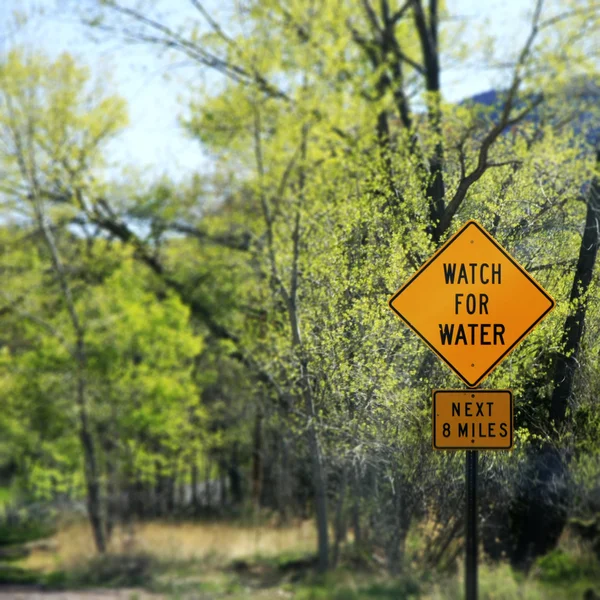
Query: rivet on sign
(472,395)
(472,364)
(471,241)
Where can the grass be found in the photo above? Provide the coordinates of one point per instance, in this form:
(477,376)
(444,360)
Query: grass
(225,561)
(178,541)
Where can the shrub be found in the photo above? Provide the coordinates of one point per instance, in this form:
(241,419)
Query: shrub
(558,567)
(115,570)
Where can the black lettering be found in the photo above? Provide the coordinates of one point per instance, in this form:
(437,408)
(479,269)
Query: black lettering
(490,404)
(473,328)
(471,334)
(481,434)
(486,280)
(491,429)
(503,430)
(446,333)
(498,333)
(456,409)
(484,334)
(449,271)
(468,409)
(497,271)
(450,275)
(457,302)
(460,334)
(479,409)
(471,304)
(463,430)
(473,267)
(483,300)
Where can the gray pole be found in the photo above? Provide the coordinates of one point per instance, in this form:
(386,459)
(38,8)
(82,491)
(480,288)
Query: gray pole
(471,526)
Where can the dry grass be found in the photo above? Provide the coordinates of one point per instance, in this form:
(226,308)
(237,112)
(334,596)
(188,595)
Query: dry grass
(74,544)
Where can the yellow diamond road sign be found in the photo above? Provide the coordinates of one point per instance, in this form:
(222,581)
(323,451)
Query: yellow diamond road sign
(471,303)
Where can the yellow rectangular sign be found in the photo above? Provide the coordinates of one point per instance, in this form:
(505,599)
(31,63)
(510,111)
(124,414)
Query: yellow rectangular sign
(472,419)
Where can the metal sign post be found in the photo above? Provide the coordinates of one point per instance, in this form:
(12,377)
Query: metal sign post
(471,525)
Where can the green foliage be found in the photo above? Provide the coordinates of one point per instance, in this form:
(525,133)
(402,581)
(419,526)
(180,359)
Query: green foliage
(140,373)
(56,124)
(243,316)
(405,589)
(22,530)
(18,527)
(115,570)
(562,567)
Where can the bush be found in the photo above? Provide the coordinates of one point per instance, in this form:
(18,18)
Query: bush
(560,567)
(402,589)
(115,570)
(17,528)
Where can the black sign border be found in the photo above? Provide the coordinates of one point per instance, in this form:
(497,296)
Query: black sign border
(437,254)
(512,418)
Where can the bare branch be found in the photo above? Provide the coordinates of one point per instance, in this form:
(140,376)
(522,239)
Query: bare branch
(504,163)
(231,241)
(433,22)
(372,16)
(428,47)
(400,12)
(172,39)
(560,263)
(569,14)
(400,55)
(365,44)
(267,212)
(504,122)
(213,24)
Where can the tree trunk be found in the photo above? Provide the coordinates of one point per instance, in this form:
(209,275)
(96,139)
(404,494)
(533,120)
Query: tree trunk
(318,476)
(339,524)
(235,478)
(181,496)
(540,509)
(398,524)
(112,496)
(170,495)
(91,471)
(257,459)
(207,490)
(285,497)
(566,364)
(194,484)
(92,480)
(223,486)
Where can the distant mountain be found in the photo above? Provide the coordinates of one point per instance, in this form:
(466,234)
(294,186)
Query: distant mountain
(586,123)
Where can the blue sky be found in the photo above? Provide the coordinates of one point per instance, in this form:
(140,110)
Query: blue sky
(154,139)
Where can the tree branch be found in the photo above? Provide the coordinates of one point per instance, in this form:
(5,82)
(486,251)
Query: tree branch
(482,162)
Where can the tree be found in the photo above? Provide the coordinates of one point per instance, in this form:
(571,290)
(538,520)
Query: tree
(50,143)
(124,342)
(343,188)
